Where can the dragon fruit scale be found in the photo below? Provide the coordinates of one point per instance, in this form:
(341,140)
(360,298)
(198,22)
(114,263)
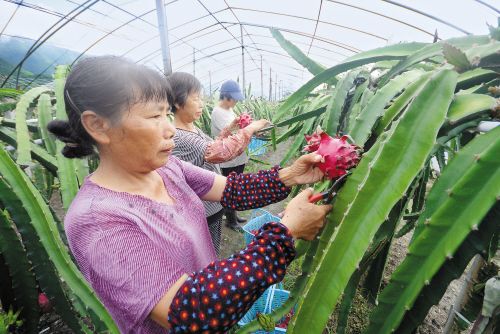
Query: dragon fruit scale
(245,120)
(338,154)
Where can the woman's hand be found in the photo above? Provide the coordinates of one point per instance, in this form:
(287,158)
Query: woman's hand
(304,219)
(302,171)
(234,124)
(257,125)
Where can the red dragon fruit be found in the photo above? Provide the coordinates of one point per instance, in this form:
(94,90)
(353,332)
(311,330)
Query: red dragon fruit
(338,154)
(245,120)
(44,303)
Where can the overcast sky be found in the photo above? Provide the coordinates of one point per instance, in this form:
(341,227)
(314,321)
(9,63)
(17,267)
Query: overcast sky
(342,31)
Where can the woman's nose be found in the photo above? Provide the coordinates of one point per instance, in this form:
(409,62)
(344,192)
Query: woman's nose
(168,129)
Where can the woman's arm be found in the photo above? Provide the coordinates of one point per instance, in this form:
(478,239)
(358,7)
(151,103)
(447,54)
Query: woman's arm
(228,146)
(199,301)
(303,171)
(216,297)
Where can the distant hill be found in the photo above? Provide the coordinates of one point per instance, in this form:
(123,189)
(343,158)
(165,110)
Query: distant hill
(45,58)
(13,50)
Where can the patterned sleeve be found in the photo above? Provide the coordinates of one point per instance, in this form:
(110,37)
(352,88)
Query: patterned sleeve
(254,190)
(227,148)
(216,297)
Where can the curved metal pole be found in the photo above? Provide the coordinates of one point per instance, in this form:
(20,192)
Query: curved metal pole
(10,18)
(428,15)
(302,43)
(181,39)
(315,26)
(326,40)
(109,33)
(384,16)
(309,19)
(225,28)
(488,5)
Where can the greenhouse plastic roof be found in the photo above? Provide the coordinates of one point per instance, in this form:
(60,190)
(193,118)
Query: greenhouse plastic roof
(205,36)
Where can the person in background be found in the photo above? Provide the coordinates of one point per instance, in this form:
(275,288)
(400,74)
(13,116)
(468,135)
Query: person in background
(196,147)
(137,226)
(223,116)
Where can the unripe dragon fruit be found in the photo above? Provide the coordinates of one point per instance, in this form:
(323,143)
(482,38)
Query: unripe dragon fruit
(245,120)
(338,154)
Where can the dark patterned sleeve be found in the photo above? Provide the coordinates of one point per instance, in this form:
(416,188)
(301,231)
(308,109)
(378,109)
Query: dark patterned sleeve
(254,190)
(214,299)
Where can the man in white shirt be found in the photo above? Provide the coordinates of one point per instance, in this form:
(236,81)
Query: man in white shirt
(222,116)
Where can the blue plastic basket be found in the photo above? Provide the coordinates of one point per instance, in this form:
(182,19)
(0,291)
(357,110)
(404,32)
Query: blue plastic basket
(258,218)
(269,301)
(256,146)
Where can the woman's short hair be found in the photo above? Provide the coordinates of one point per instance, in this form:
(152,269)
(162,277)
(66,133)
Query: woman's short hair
(182,84)
(109,86)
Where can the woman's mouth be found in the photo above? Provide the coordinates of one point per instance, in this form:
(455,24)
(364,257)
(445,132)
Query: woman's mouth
(168,149)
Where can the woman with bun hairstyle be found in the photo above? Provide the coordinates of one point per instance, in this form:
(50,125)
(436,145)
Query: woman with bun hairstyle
(137,226)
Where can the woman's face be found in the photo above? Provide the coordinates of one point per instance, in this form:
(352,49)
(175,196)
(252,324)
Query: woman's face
(192,109)
(143,139)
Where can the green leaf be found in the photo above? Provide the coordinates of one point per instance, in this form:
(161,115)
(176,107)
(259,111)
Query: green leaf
(347,299)
(299,141)
(476,243)
(23,279)
(367,94)
(37,153)
(46,230)
(273,138)
(469,106)
(485,55)
(44,117)
(367,118)
(22,134)
(66,167)
(336,102)
(463,207)
(44,269)
(456,57)
(432,50)
(7,107)
(301,117)
(495,31)
(397,51)
(12,124)
(474,77)
(10,92)
(296,53)
(400,103)
(411,140)
(355,105)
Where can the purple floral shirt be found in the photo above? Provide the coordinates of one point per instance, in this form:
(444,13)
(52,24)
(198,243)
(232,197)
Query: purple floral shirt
(132,249)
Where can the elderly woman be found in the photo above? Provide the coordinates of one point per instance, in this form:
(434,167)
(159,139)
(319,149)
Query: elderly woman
(137,227)
(222,116)
(196,147)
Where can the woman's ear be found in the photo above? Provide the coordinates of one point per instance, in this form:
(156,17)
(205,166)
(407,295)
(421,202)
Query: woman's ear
(96,126)
(177,106)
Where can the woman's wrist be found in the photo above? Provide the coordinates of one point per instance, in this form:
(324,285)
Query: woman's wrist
(286,177)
